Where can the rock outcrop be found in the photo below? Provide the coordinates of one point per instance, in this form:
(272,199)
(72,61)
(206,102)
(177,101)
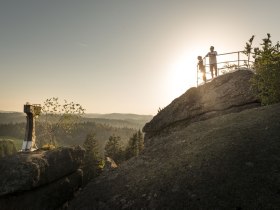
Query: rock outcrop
(109,164)
(207,150)
(227,162)
(41,179)
(7,147)
(225,94)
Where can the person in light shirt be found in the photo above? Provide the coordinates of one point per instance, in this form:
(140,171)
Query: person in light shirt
(212,61)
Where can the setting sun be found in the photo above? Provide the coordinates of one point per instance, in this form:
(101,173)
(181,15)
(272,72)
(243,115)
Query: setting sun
(182,74)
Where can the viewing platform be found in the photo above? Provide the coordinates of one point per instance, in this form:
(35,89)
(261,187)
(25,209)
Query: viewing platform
(226,62)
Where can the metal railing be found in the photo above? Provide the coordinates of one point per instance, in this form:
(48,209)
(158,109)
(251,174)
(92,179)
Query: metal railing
(234,61)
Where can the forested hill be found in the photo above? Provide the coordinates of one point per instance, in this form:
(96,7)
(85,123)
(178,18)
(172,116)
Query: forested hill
(115,119)
(12,126)
(120,116)
(119,120)
(12,117)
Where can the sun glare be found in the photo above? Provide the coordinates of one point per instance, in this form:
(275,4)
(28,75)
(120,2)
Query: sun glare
(182,74)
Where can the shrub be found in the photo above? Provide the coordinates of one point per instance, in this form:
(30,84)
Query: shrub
(266,80)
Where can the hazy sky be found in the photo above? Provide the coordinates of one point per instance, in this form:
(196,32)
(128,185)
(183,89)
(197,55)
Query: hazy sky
(129,56)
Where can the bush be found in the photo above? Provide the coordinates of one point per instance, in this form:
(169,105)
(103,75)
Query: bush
(266,81)
(7,147)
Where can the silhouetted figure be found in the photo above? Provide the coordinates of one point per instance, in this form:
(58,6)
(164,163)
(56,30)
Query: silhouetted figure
(201,67)
(212,61)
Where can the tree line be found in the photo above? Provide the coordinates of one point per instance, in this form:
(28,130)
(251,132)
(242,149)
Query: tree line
(114,148)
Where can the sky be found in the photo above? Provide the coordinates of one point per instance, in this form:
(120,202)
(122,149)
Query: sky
(118,56)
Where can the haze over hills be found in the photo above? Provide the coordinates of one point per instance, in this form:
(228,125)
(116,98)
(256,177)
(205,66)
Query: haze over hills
(112,119)
(119,116)
(12,117)
(119,120)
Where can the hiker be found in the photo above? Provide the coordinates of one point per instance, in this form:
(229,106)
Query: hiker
(201,67)
(212,61)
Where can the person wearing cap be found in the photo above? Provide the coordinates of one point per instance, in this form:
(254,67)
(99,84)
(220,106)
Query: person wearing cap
(212,61)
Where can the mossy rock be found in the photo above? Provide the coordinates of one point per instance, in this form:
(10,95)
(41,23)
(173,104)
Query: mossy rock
(7,147)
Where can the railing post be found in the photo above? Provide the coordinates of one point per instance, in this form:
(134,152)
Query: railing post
(238,58)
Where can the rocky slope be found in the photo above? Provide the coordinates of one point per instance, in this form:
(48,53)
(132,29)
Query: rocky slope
(227,160)
(41,179)
(225,94)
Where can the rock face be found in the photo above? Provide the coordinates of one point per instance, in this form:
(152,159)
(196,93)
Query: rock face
(41,179)
(109,164)
(7,147)
(225,94)
(206,150)
(227,162)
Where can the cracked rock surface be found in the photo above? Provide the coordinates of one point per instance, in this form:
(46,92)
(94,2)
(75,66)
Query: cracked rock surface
(225,94)
(214,147)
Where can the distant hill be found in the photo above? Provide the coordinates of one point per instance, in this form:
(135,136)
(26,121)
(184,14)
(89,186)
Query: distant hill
(119,116)
(114,119)
(119,120)
(12,117)
(12,126)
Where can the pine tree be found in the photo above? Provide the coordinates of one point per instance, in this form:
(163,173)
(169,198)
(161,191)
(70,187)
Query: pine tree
(135,145)
(132,147)
(140,140)
(113,149)
(92,159)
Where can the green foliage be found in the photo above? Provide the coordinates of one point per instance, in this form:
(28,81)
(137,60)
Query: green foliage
(57,116)
(114,149)
(266,81)
(93,162)
(227,68)
(7,147)
(248,49)
(17,142)
(135,145)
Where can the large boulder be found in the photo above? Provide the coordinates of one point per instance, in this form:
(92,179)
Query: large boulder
(44,179)
(25,171)
(227,162)
(7,147)
(48,197)
(225,94)
(211,148)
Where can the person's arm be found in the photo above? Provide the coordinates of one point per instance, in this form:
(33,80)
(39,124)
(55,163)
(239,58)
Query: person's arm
(206,55)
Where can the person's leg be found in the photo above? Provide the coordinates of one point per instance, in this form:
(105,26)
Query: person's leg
(204,76)
(216,69)
(211,69)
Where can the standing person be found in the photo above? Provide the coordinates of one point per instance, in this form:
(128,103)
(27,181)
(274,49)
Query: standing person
(201,67)
(212,61)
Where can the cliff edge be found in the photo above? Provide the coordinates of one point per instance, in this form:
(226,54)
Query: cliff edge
(225,94)
(211,148)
